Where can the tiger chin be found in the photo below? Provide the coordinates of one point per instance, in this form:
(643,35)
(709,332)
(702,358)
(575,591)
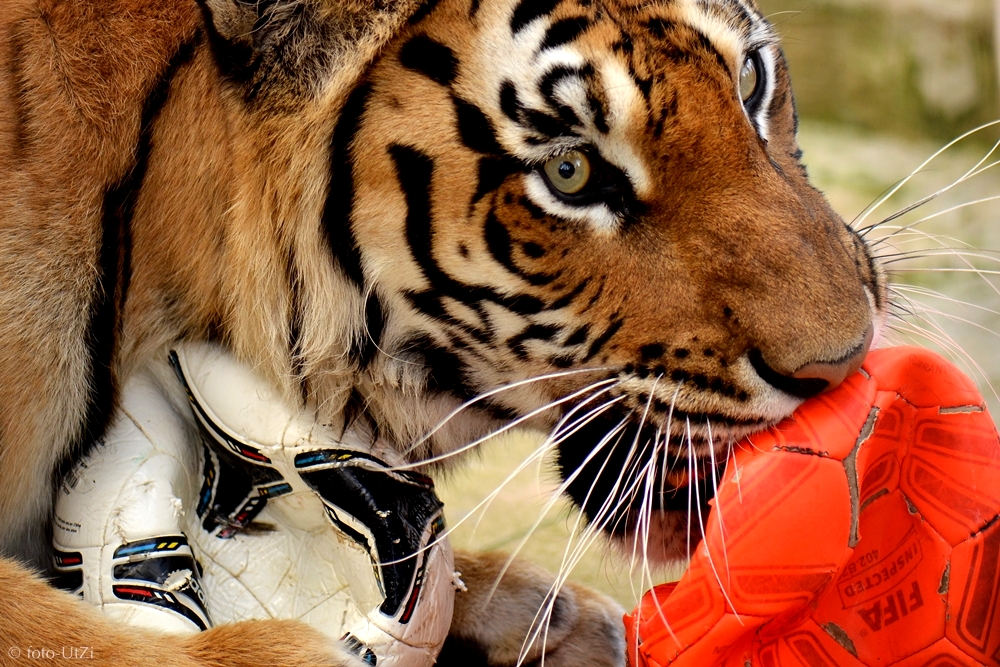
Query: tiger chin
(435,218)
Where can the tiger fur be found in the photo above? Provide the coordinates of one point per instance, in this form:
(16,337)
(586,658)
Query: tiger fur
(354,197)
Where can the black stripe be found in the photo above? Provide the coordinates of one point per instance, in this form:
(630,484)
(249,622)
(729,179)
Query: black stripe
(509,103)
(414,170)
(659,27)
(707,44)
(567,298)
(114,264)
(476,129)
(295,323)
(423,11)
(577,337)
(564,31)
(674,53)
(529,10)
(667,111)
(19,92)
(554,76)
(543,332)
(600,115)
(364,347)
(445,370)
(532,208)
(601,340)
(547,86)
(340,197)
(568,116)
(739,15)
(432,305)
(499,244)
(431,58)
(546,125)
(644,85)
(624,44)
(493,172)
(597,295)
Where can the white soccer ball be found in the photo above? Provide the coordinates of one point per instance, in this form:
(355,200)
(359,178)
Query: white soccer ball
(252,509)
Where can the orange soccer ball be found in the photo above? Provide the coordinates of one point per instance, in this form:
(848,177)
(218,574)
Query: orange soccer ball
(861,531)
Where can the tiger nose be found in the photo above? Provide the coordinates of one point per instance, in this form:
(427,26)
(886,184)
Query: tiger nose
(815,377)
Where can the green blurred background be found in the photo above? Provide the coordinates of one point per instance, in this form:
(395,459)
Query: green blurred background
(880,86)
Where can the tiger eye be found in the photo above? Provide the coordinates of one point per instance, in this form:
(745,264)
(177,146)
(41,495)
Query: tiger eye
(568,173)
(749,79)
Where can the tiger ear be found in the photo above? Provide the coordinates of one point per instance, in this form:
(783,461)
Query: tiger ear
(297,47)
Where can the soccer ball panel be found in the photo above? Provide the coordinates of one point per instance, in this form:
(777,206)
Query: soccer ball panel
(952,471)
(923,379)
(974,596)
(887,600)
(808,645)
(941,653)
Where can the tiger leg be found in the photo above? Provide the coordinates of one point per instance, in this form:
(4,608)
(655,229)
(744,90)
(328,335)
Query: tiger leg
(498,621)
(42,625)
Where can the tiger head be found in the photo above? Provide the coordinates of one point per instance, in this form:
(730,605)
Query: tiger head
(588,216)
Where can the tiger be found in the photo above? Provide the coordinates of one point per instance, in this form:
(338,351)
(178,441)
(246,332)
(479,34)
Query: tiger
(435,218)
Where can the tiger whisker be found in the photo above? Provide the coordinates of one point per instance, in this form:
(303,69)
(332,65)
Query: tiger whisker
(631,456)
(590,534)
(534,456)
(503,429)
(885,197)
(911,255)
(736,475)
(641,534)
(945,341)
(557,585)
(646,516)
(499,390)
(958,207)
(715,494)
(940,337)
(899,288)
(708,552)
(544,614)
(925,200)
(984,272)
(555,497)
(645,527)
(964,258)
(900,292)
(539,453)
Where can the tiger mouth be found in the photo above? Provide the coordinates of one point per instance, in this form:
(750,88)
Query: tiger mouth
(613,468)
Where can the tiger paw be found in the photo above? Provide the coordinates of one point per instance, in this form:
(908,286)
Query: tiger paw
(508,615)
(861,531)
